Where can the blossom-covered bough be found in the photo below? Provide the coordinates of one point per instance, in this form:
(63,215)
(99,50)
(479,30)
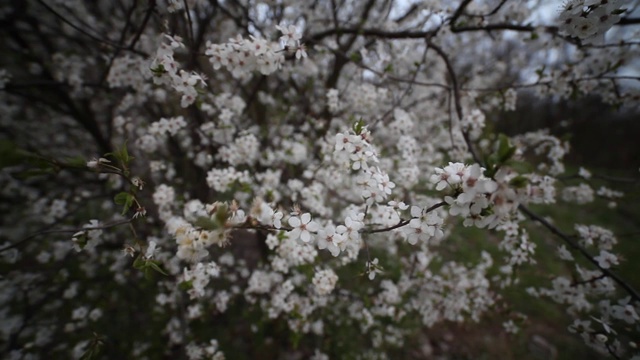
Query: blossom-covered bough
(181,174)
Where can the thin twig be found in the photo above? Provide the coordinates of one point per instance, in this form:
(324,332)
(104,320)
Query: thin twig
(567,239)
(57,231)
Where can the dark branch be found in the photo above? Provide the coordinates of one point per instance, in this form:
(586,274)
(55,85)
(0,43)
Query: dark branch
(567,239)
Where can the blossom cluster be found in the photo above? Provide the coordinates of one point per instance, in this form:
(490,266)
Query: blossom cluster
(166,71)
(336,204)
(589,20)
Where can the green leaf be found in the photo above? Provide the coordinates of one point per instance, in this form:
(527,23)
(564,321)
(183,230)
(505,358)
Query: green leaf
(521,167)
(125,199)
(78,162)
(505,150)
(158,70)
(222,214)
(358,126)
(121,155)
(154,265)
(185,285)
(490,163)
(82,240)
(206,223)
(125,154)
(139,263)
(519,181)
(148,273)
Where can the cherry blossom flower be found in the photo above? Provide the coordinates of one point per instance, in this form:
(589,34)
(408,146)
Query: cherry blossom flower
(329,239)
(303,226)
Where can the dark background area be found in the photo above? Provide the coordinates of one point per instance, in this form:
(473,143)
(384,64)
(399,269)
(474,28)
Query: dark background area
(601,136)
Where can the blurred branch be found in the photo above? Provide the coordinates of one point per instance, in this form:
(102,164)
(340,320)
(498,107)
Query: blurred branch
(456,97)
(58,231)
(629,21)
(84,32)
(459,11)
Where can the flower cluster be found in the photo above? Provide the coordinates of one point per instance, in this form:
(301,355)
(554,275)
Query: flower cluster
(354,151)
(357,192)
(588,20)
(166,71)
(324,281)
(471,193)
(242,56)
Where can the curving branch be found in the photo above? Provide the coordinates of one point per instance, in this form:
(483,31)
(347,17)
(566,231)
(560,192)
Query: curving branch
(456,96)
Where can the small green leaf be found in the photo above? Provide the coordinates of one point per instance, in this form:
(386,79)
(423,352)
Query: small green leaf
(206,223)
(519,182)
(490,163)
(77,161)
(139,262)
(185,285)
(158,70)
(121,155)
(125,199)
(124,153)
(222,214)
(121,198)
(505,150)
(154,265)
(358,126)
(521,167)
(148,273)
(82,239)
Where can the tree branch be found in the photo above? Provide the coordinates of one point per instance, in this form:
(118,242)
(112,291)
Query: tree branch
(567,239)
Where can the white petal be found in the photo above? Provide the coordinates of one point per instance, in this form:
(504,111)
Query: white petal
(294,221)
(306,217)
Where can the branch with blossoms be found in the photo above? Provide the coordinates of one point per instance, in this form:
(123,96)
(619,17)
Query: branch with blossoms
(623,284)
(304,175)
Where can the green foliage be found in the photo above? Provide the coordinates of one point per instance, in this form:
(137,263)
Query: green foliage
(148,266)
(11,155)
(503,153)
(125,199)
(358,126)
(122,155)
